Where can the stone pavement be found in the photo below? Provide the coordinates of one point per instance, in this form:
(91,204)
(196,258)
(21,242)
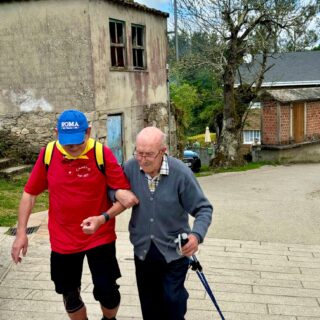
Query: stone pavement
(251,280)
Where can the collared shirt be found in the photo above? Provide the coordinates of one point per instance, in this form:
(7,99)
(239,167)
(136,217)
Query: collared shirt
(154,181)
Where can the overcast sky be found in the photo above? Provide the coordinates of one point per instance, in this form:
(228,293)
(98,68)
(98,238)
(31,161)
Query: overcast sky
(163,5)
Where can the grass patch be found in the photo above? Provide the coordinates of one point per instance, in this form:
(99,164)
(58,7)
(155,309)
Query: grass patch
(10,194)
(207,171)
(246,167)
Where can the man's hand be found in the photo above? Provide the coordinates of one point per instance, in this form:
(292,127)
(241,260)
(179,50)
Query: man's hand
(127,198)
(90,225)
(20,245)
(191,247)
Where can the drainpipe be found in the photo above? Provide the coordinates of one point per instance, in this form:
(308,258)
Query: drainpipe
(169,108)
(175,8)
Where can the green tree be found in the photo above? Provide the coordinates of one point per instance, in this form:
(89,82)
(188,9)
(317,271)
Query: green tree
(185,97)
(243,27)
(192,69)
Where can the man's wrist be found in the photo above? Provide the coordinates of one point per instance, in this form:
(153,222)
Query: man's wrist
(106,216)
(21,231)
(197,235)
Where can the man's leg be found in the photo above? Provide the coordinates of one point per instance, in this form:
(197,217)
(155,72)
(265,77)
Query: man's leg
(74,305)
(149,276)
(105,271)
(66,272)
(175,293)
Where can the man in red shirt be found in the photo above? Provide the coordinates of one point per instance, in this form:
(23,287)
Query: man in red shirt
(77,189)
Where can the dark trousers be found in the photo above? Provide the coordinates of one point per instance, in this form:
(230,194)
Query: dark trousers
(161,286)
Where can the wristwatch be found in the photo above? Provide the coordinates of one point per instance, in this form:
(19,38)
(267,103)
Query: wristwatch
(106,216)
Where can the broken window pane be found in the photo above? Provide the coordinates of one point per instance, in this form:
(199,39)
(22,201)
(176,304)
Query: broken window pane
(117,43)
(138,50)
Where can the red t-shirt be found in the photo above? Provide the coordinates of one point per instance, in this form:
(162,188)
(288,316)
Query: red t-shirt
(77,190)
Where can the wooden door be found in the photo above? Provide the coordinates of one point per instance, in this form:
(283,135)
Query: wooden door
(114,136)
(298,122)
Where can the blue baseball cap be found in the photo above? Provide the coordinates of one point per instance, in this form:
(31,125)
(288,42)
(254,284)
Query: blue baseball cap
(72,126)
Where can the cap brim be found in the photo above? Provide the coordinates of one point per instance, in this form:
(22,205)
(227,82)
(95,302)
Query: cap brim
(71,138)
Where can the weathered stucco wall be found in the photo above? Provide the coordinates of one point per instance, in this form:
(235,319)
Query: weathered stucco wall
(55,55)
(45,56)
(132,93)
(128,87)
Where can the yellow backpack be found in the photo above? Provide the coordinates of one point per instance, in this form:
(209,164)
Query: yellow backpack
(98,152)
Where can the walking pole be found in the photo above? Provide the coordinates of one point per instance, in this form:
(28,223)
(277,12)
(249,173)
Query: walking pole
(196,266)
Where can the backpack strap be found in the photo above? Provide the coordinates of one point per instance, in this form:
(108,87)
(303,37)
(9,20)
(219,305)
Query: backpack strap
(98,152)
(48,153)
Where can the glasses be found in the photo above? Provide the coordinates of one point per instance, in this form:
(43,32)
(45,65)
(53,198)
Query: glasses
(146,155)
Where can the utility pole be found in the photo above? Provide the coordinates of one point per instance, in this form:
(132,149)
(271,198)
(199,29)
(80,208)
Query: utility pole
(175,8)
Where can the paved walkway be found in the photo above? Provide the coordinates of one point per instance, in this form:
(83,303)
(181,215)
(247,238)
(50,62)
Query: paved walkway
(274,277)
(251,280)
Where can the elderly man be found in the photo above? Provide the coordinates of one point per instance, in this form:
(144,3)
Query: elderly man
(77,190)
(168,192)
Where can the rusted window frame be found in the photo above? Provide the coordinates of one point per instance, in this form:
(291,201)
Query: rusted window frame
(138,49)
(120,43)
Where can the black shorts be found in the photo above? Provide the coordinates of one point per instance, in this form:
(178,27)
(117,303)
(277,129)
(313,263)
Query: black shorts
(66,269)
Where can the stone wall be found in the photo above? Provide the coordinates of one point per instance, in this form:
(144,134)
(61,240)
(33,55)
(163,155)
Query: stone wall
(23,134)
(295,153)
(157,115)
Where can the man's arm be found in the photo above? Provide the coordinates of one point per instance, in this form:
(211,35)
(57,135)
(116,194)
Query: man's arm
(90,225)
(20,244)
(197,205)
(126,197)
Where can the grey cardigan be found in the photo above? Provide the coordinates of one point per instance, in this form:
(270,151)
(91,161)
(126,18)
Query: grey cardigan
(163,215)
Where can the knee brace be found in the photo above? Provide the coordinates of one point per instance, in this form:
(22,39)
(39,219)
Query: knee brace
(108,300)
(72,301)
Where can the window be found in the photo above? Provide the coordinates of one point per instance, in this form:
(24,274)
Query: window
(117,43)
(255,105)
(251,136)
(138,49)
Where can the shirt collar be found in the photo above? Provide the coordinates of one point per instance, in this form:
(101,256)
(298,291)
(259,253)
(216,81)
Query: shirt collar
(164,169)
(89,146)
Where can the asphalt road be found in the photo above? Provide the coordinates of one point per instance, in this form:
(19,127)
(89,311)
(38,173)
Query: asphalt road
(273,203)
